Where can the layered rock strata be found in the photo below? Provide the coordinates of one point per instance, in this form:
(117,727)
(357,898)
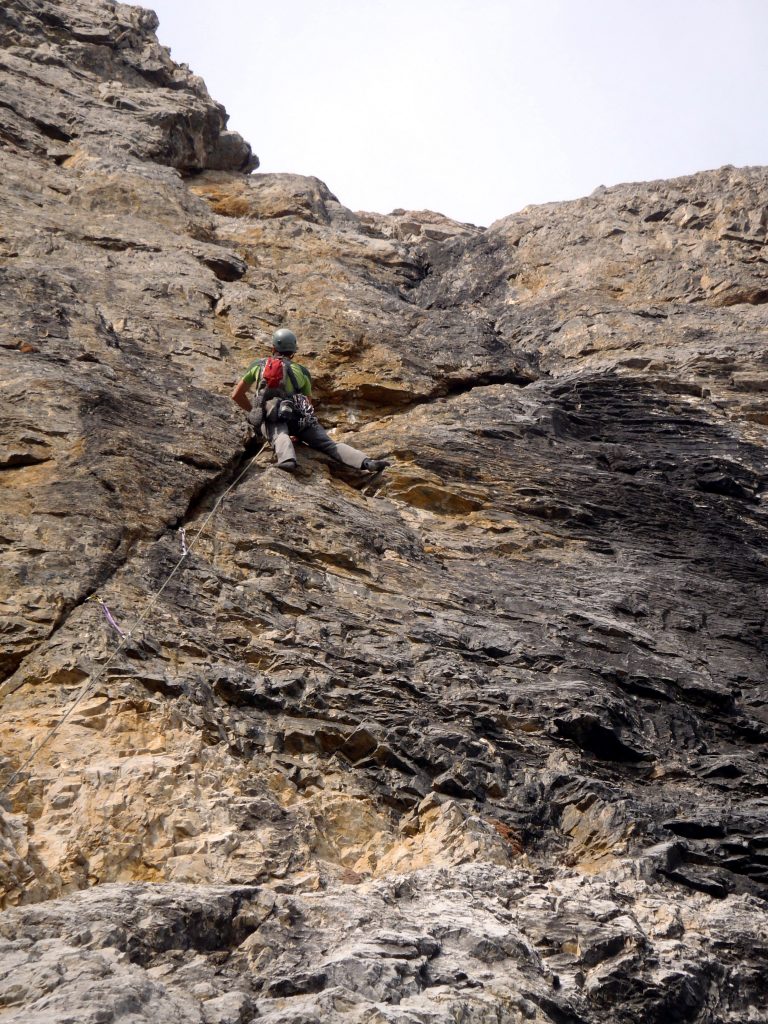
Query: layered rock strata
(482,738)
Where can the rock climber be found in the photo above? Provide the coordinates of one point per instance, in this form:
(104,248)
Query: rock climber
(283,408)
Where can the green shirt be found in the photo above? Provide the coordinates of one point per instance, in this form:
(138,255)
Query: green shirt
(301,373)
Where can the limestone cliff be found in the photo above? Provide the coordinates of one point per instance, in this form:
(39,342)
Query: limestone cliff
(481,739)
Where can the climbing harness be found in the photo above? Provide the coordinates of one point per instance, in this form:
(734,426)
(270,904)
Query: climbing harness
(126,636)
(304,413)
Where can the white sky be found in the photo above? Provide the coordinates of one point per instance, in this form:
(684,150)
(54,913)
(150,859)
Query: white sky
(476,108)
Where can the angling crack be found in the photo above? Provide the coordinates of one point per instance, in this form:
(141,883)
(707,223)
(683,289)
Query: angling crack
(520,376)
(517,376)
(23,461)
(220,484)
(114,562)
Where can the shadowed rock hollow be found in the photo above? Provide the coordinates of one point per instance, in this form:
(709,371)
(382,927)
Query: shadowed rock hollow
(481,739)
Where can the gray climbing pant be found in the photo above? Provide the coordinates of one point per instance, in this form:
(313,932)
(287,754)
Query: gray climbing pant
(316,437)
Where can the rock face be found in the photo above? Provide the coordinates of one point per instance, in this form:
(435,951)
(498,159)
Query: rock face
(91,77)
(481,739)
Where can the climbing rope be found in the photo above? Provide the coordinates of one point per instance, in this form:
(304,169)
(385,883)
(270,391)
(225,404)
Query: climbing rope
(187,548)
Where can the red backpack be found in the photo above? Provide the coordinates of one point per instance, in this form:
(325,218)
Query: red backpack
(273,373)
(276,373)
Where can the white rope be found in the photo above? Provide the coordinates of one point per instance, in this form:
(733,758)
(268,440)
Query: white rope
(91,683)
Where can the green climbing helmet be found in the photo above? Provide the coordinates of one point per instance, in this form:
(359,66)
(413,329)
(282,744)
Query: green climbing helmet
(284,340)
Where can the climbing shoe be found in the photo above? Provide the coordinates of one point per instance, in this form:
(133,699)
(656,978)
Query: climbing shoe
(374,465)
(289,466)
